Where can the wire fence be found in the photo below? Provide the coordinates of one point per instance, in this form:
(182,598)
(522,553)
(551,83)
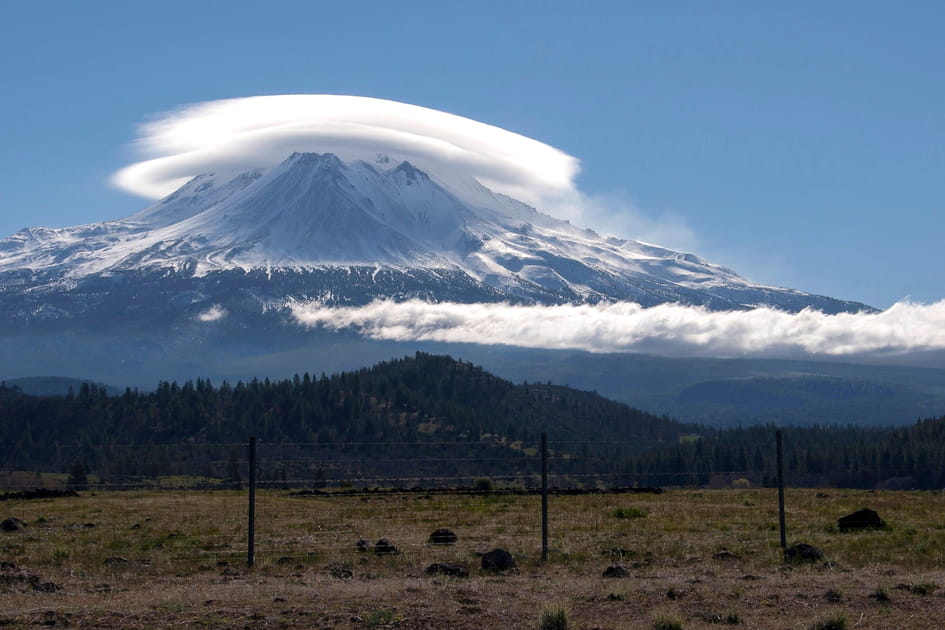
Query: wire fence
(433,466)
(299,502)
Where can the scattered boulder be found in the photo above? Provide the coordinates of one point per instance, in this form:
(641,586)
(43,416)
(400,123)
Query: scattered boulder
(12,524)
(340,571)
(362,545)
(802,552)
(448,568)
(443,536)
(616,571)
(384,546)
(498,560)
(116,560)
(859,520)
(44,587)
(52,618)
(12,575)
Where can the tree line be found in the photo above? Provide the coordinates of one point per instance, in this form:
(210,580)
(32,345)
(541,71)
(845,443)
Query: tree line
(428,416)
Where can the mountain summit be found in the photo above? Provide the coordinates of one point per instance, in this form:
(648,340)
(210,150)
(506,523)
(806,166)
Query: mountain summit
(349,232)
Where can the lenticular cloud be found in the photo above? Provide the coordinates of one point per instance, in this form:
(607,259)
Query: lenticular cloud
(261,131)
(670,329)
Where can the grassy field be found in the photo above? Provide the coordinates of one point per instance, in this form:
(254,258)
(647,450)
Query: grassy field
(163,559)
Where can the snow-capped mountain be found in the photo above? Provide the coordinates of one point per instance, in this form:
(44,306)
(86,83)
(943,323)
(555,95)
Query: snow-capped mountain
(316,227)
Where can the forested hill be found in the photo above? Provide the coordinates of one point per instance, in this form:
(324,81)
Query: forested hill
(429,417)
(423,398)
(841,456)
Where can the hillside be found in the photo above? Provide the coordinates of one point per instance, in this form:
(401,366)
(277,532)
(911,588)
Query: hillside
(432,420)
(406,405)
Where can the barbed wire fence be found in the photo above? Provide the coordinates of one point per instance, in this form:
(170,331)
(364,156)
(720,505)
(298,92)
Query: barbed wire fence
(412,487)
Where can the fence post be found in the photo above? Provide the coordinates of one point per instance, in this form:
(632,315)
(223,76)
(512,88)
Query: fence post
(781,491)
(250,548)
(544,496)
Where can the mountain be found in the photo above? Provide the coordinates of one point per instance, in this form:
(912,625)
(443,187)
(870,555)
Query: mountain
(198,284)
(316,227)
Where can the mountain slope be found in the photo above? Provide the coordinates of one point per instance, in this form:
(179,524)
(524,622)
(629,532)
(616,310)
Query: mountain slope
(315,217)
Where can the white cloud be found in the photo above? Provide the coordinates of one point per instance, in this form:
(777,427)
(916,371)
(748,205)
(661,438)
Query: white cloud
(261,131)
(669,329)
(212,314)
(615,213)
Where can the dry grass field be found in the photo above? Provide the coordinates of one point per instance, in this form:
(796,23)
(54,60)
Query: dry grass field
(172,559)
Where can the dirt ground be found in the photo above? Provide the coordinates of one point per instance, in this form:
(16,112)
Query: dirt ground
(130,561)
(702,593)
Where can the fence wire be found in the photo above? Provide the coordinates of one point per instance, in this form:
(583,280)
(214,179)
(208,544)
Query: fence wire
(332,503)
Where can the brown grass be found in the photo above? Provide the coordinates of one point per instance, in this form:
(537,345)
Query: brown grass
(177,559)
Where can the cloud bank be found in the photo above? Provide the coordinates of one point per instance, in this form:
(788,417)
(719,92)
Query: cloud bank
(261,131)
(669,329)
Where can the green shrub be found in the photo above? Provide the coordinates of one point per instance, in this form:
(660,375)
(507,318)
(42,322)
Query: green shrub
(833,622)
(554,618)
(379,617)
(666,622)
(923,588)
(880,594)
(633,512)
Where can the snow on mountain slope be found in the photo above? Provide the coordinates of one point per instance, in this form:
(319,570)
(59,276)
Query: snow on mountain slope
(314,213)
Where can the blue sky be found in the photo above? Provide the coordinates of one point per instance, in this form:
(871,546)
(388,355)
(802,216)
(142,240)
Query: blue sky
(802,144)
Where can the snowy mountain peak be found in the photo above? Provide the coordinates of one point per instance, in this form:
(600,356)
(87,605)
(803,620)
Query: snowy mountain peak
(409,173)
(314,160)
(314,214)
